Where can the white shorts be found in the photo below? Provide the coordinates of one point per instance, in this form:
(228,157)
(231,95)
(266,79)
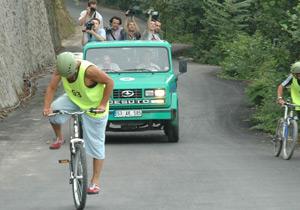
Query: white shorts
(93,128)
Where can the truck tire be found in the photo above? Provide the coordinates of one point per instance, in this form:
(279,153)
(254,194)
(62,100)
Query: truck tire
(172,132)
(171,129)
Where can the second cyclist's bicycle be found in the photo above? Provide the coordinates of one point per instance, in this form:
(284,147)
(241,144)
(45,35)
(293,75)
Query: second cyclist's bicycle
(286,135)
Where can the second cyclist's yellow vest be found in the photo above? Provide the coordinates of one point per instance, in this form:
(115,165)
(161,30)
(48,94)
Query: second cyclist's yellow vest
(295,92)
(83,96)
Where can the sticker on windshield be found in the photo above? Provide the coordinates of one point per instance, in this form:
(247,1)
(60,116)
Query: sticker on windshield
(127,79)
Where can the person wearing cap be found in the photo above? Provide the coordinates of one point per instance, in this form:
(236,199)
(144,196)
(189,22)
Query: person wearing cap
(293,80)
(85,86)
(89,13)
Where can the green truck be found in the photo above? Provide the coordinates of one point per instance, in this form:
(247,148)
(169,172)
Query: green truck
(145,93)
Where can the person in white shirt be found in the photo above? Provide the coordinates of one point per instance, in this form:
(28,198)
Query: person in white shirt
(89,13)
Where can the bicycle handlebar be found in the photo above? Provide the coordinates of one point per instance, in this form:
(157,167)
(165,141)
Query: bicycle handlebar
(91,110)
(291,105)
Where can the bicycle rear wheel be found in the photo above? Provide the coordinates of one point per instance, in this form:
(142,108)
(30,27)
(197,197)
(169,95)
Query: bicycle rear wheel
(79,181)
(290,141)
(277,139)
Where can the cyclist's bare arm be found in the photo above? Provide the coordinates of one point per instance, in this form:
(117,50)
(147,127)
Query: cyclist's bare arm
(49,95)
(280,99)
(94,74)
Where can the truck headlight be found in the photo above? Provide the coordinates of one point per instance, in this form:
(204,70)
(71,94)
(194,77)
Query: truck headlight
(155,93)
(149,93)
(159,93)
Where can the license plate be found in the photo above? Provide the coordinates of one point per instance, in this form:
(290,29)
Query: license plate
(128,113)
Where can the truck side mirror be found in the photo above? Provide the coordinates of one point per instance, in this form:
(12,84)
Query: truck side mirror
(182,66)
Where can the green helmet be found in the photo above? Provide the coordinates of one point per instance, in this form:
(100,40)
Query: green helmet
(66,64)
(295,68)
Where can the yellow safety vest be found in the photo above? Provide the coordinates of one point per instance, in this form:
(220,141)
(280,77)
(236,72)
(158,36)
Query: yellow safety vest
(295,92)
(83,96)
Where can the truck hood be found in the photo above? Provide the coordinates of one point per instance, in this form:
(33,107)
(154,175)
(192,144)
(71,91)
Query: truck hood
(141,80)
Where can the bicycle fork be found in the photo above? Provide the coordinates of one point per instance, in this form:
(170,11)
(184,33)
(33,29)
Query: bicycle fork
(74,160)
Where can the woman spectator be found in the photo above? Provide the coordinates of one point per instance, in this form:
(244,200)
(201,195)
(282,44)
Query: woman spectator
(132,30)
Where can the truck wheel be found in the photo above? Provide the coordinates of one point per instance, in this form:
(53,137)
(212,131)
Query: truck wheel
(172,131)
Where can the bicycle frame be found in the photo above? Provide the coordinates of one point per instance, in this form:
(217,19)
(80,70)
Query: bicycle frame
(76,137)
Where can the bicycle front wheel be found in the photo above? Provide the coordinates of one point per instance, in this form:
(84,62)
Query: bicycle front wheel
(79,180)
(277,139)
(290,140)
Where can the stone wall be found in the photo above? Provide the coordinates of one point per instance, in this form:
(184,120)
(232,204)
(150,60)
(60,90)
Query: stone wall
(27,43)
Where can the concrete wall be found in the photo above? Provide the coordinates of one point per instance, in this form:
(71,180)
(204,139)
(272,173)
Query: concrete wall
(27,44)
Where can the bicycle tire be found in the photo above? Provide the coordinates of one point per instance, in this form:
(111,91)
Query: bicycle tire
(289,144)
(277,139)
(79,168)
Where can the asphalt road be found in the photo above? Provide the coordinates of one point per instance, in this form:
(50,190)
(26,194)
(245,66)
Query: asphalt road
(217,164)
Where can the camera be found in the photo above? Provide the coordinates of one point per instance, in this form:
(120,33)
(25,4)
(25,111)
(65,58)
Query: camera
(154,14)
(130,12)
(92,10)
(88,25)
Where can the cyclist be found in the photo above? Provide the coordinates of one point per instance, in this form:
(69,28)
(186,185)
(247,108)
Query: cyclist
(293,81)
(85,86)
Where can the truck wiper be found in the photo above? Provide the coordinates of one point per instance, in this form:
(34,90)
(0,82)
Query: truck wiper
(112,70)
(138,69)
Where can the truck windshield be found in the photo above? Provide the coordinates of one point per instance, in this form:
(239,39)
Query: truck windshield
(130,59)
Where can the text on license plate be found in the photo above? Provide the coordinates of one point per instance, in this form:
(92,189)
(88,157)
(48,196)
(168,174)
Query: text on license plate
(128,113)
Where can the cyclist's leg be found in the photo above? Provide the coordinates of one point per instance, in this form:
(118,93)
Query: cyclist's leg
(61,103)
(94,134)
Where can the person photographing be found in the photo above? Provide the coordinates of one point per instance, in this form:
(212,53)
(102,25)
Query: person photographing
(93,32)
(89,13)
(132,30)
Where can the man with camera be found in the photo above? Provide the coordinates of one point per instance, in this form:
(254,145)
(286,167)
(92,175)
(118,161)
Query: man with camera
(93,32)
(132,30)
(150,33)
(115,32)
(90,13)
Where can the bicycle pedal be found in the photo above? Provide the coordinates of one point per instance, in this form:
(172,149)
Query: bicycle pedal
(63,161)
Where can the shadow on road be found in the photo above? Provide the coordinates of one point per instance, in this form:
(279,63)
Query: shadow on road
(135,138)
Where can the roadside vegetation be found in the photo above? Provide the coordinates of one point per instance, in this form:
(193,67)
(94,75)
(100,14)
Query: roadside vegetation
(251,40)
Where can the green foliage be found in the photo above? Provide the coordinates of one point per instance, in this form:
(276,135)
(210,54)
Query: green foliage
(244,55)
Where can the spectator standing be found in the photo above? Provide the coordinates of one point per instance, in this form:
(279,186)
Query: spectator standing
(116,31)
(95,34)
(132,30)
(89,13)
(150,33)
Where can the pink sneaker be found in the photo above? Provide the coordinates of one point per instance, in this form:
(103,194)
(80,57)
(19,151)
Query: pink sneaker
(93,189)
(57,144)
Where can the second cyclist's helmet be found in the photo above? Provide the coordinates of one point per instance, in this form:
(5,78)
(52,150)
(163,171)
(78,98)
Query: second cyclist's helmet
(295,68)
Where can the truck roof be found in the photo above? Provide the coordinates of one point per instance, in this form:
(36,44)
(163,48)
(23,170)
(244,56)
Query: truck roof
(138,43)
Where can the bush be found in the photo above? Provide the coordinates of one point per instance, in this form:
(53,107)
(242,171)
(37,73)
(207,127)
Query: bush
(245,55)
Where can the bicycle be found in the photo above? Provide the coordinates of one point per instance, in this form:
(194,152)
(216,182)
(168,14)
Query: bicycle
(77,162)
(286,135)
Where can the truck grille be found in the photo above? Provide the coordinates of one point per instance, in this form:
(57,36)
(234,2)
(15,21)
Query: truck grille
(127,93)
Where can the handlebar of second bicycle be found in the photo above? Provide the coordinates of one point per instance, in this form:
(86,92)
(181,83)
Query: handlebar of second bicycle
(291,105)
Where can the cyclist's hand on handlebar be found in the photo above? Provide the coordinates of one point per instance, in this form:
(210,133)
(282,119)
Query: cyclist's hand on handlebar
(281,101)
(47,111)
(99,109)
